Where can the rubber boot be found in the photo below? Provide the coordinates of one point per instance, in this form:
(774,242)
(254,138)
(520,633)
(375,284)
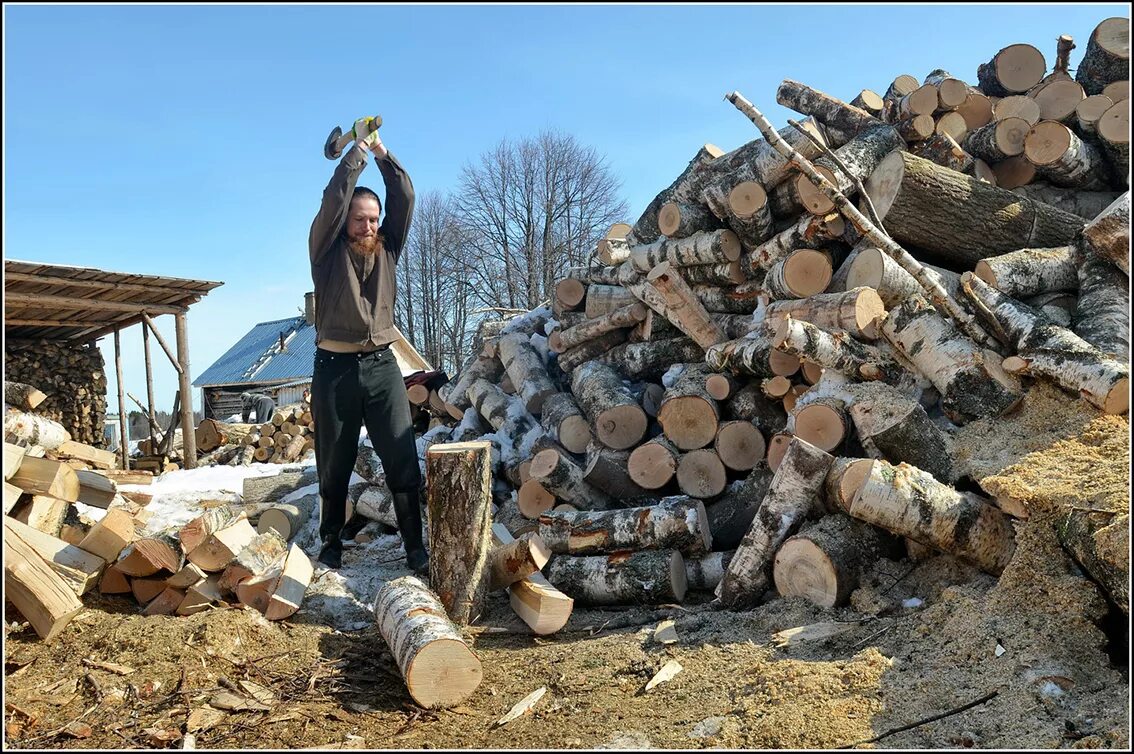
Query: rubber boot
(332,553)
(408,513)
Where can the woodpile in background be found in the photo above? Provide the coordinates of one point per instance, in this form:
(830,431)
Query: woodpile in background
(72,378)
(753,385)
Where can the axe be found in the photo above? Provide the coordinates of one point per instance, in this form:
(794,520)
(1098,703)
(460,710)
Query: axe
(338,141)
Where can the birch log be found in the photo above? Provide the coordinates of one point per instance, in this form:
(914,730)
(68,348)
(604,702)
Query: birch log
(1030,272)
(525,366)
(746,356)
(652,464)
(704,573)
(856,311)
(683,189)
(570,359)
(438,667)
(626,316)
(715,247)
(825,108)
(1016,68)
(837,351)
(861,155)
(682,307)
(673,524)
(688,414)
(649,361)
(873,269)
(618,421)
(794,493)
(32,429)
(998,141)
(23,397)
(563,418)
(1102,314)
(909,502)
(809,232)
(646,577)
(681,220)
(1107,57)
(477,368)
(824,562)
(901,430)
(1108,234)
(1063,158)
(563,478)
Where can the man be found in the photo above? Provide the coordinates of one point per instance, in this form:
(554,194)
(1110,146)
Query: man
(259,403)
(357,379)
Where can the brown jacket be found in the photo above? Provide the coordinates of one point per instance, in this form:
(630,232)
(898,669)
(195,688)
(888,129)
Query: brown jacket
(347,308)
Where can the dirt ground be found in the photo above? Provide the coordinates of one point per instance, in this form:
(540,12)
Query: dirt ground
(1040,646)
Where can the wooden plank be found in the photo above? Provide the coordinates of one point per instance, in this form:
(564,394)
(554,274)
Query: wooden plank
(80,569)
(37,591)
(103,459)
(13,457)
(95,489)
(42,476)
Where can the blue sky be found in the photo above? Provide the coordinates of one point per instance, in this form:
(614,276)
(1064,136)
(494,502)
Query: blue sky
(186,141)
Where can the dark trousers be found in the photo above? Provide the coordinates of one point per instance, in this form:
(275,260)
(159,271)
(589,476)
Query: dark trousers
(347,391)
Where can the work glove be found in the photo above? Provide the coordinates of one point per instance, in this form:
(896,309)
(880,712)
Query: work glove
(367,138)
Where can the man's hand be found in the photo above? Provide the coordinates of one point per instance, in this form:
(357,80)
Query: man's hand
(372,142)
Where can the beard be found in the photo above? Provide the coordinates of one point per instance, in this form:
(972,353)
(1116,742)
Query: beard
(366,245)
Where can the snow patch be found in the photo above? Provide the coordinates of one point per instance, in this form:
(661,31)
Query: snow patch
(672,375)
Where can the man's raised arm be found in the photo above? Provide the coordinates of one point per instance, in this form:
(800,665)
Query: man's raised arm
(336,202)
(399,202)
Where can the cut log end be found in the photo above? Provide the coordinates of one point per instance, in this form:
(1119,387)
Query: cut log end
(533,499)
(575,434)
(811,196)
(1047,142)
(783,364)
(822,425)
(701,474)
(807,272)
(718,386)
(746,199)
(740,445)
(802,569)
(570,292)
(621,427)
(651,466)
(777,447)
(1019,67)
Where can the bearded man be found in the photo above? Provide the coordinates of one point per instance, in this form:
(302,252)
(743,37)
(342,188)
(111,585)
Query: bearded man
(357,380)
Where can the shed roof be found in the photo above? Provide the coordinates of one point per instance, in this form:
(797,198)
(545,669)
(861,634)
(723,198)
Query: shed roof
(61,302)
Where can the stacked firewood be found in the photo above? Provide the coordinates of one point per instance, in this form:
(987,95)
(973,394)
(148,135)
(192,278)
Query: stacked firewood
(73,379)
(760,369)
(285,439)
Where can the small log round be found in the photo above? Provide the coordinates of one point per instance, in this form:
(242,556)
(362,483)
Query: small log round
(652,464)
(1015,69)
(740,445)
(701,474)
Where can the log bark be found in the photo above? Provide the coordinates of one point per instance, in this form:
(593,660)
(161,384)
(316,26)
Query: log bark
(504,412)
(739,445)
(825,108)
(682,307)
(875,270)
(1084,204)
(793,494)
(1030,272)
(861,155)
(998,141)
(592,349)
(909,502)
(608,471)
(943,150)
(688,414)
(1046,349)
(855,311)
(1108,234)
(740,299)
(746,356)
(1099,542)
(603,299)
(39,593)
(1063,158)
(623,317)
(1102,314)
(1114,135)
(1087,115)
(1059,307)
(477,368)
(902,432)
(869,101)
(683,189)
(809,232)
(32,429)
(752,405)
(564,420)
(646,577)
(1016,68)
(959,218)
(525,366)
(727,274)
(618,421)
(649,361)
(1107,57)
(148,555)
(730,516)
(824,562)
(674,524)
(953,363)
(715,247)
(837,351)
(23,397)
(704,573)
(459,493)
(563,478)
(439,668)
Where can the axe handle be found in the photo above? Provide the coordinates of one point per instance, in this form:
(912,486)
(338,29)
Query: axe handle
(345,140)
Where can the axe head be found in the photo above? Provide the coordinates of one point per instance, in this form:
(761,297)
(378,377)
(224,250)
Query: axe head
(330,150)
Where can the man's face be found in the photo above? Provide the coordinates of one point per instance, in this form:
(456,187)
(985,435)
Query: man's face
(362,224)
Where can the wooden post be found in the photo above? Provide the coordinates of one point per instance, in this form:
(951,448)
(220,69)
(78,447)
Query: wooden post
(149,381)
(125,449)
(161,341)
(188,436)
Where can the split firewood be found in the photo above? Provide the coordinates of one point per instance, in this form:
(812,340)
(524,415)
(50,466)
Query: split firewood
(539,604)
(793,494)
(148,555)
(261,555)
(525,366)
(701,474)
(286,519)
(222,544)
(824,562)
(509,563)
(1107,57)
(113,581)
(808,232)
(1015,69)
(32,429)
(909,502)
(570,359)
(79,569)
(1043,348)
(618,421)
(165,603)
(110,535)
(459,497)
(438,667)
(287,594)
(1030,272)
(739,445)
(95,489)
(609,471)
(200,596)
(644,577)
(1108,234)
(13,457)
(970,386)
(837,351)
(856,310)
(673,524)
(562,477)
(688,414)
(901,430)
(42,513)
(41,595)
(23,397)
(704,572)
(652,464)
(1063,158)
(189,575)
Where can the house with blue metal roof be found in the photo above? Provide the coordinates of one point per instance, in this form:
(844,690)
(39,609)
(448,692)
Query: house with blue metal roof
(276,358)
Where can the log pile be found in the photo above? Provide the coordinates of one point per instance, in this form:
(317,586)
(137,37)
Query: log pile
(763,363)
(72,379)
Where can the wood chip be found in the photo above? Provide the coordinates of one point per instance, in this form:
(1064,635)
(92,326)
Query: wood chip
(228,701)
(522,706)
(282,718)
(668,671)
(666,633)
(812,632)
(110,667)
(161,737)
(462,710)
(258,692)
(77,729)
(203,719)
